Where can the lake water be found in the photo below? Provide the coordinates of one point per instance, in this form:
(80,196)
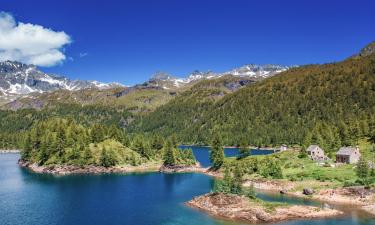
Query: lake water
(202,153)
(135,199)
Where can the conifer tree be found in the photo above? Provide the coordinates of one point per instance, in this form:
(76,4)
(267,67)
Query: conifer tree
(362,170)
(216,152)
(106,158)
(169,154)
(243,150)
(236,187)
(27,148)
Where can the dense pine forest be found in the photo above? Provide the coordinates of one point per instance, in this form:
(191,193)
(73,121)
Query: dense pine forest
(330,105)
(63,141)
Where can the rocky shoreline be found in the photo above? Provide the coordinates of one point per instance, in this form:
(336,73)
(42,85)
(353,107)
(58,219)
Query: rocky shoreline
(240,208)
(183,169)
(357,195)
(73,169)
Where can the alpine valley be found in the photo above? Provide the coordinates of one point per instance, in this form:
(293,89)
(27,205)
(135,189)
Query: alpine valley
(286,103)
(79,127)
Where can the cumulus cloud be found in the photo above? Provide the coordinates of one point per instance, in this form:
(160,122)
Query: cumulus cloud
(30,43)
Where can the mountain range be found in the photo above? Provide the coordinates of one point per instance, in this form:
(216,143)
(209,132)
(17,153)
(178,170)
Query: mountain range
(18,80)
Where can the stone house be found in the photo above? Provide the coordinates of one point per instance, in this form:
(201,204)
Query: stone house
(348,155)
(316,153)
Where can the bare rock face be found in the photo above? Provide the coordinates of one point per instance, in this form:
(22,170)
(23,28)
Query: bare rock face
(240,208)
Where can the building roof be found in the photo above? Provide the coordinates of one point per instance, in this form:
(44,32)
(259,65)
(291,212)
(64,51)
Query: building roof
(311,147)
(346,151)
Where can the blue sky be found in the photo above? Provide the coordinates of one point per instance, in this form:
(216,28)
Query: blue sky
(127,41)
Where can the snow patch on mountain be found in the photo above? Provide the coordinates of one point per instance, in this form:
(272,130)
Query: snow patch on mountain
(167,81)
(17,79)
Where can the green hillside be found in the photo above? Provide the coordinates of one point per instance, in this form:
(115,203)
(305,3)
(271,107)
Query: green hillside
(188,109)
(330,104)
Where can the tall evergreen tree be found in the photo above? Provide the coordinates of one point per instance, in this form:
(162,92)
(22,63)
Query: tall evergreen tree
(362,169)
(243,150)
(216,152)
(169,154)
(27,148)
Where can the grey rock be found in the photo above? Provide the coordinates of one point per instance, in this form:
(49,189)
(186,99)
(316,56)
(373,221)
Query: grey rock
(308,191)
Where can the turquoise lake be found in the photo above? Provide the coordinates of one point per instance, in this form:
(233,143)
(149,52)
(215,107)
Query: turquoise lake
(148,198)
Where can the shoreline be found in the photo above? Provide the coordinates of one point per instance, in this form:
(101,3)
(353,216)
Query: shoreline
(350,196)
(4,151)
(354,196)
(97,170)
(242,209)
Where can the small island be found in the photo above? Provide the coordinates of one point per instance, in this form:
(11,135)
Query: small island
(241,208)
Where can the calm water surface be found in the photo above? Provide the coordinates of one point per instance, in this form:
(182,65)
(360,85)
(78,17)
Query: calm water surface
(202,153)
(148,198)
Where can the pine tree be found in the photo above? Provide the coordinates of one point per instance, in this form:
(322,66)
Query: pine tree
(60,141)
(87,156)
(216,152)
(362,170)
(243,151)
(43,151)
(157,142)
(169,154)
(106,158)
(27,148)
(236,187)
(174,141)
(224,185)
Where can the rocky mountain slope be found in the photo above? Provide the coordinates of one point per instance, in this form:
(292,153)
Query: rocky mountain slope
(18,79)
(24,86)
(251,71)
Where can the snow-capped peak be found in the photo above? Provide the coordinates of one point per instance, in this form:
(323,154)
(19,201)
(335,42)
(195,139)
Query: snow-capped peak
(21,79)
(167,81)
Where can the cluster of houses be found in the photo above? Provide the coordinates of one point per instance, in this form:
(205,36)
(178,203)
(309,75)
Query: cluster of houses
(348,155)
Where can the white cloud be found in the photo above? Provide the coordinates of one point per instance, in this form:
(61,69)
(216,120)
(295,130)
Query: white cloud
(30,43)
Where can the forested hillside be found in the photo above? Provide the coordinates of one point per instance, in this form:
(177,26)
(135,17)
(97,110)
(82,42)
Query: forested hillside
(331,105)
(182,113)
(111,107)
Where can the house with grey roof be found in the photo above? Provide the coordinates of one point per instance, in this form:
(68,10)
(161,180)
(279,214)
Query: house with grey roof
(316,153)
(348,155)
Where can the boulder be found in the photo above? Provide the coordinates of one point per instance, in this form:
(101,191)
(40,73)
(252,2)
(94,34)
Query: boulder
(308,191)
(283,191)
